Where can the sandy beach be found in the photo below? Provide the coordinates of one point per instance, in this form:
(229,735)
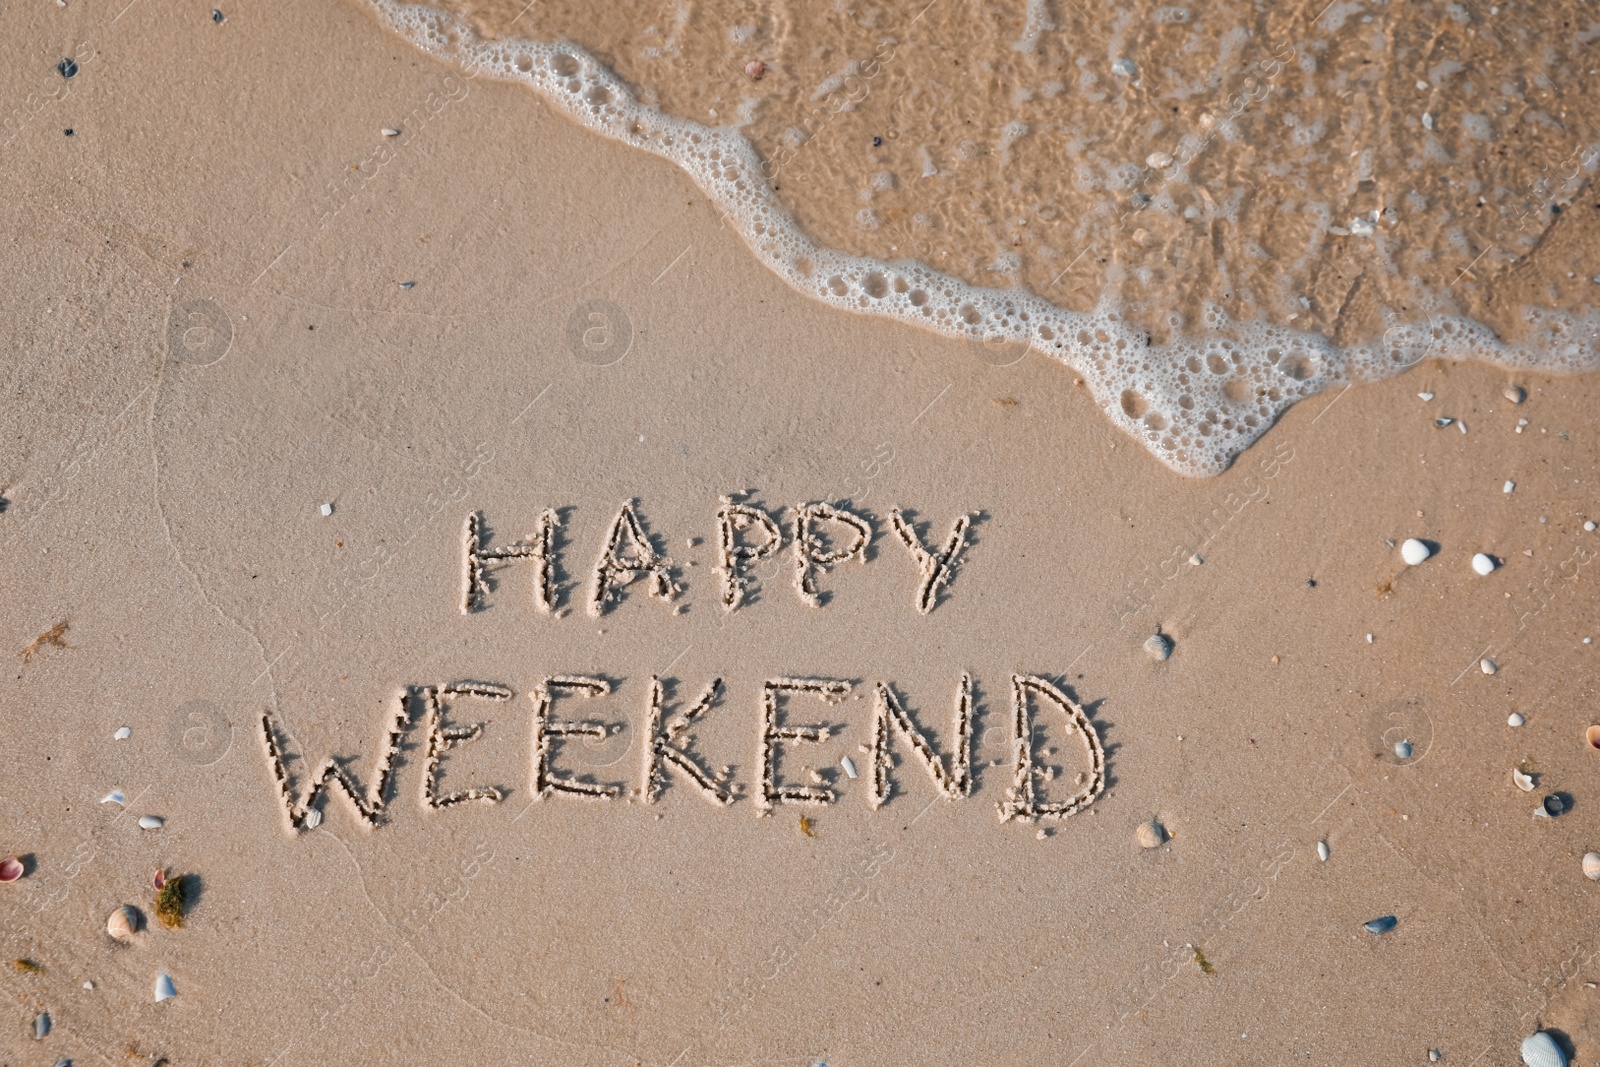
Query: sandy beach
(269,361)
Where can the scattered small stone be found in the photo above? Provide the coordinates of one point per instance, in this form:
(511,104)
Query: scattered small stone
(165,990)
(1150,834)
(327,509)
(1402,749)
(1461,426)
(408,285)
(1487,666)
(216,16)
(390,131)
(1589,526)
(1159,646)
(67,68)
(41,1026)
(1515,719)
(1425,397)
(1158,161)
(151,822)
(1514,393)
(754,70)
(1381,925)
(849,765)
(1442,422)
(1510,485)
(123,733)
(1553,805)
(1043,833)
(1360,227)
(1433,1055)
(1414,551)
(1322,851)
(1123,67)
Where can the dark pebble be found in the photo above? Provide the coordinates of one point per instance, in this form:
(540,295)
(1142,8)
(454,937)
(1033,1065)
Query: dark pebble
(877,142)
(67,68)
(1381,925)
(1554,805)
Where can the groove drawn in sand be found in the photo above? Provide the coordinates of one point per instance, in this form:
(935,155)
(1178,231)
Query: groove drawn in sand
(629,553)
(735,554)
(938,568)
(890,717)
(669,748)
(442,738)
(773,734)
(1023,800)
(333,775)
(547,731)
(538,546)
(812,551)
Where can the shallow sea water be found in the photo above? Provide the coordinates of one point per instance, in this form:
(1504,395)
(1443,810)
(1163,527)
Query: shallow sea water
(1209,212)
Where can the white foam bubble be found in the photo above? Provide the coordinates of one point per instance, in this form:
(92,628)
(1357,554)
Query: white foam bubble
(1195,401)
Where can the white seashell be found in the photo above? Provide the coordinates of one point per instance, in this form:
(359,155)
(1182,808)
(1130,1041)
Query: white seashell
(1402,749)
(123,733)
(1196,559)
(41,1026)
(1150,834)
(326,509)
(114,797)
(1487,666)
(1591,866)
(1424,397)
(1510,485)
(1158,161)
(1322,851)
(1515,719)
(123,923)
(849,765)
(1414,551)
(150,822)
(1484,563)
(165,990)
(313,818)
(1159,646)
(1513,393)
(1541,1050)
(1524,782)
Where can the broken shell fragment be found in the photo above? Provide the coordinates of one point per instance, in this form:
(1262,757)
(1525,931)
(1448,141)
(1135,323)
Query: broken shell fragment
(150,822)
(115,797)
(1414,551)
(122,734)
(165,990)
(123,922)
(1159,646)
(1592,735)
(1402,750)
(1541,1050)
(1150,834)
(1322,850)
(11,869)
(1522,781)
(1591,866)
(1381,925)
(41,1025)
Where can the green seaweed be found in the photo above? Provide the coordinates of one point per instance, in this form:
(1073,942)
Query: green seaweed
(172,900)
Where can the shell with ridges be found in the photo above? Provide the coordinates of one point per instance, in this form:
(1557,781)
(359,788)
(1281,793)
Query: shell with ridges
(1591,866)
(1541,1050)
(123,922)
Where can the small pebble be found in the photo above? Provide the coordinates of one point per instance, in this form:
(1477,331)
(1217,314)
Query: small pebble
(1553,805)
(1442,423)
(165,990)
(216,15)
(1322,851)
(1159,646)
(1360,227)
(1487,666)
(327,509)
(1425,397)
(1589,526)
(150,822)
(408,285)
(849,765)
(1414,551)
(1508,487)
(1195,560)
(67,68)
(1461,426)
(1515,719)
(390,131)
(1150,834)
(1402,749)
(123,733)
(1158,160)
(1123,67)
(754,70)
(1381,925)
(1513,393)
(41,1026)
(1433,1055)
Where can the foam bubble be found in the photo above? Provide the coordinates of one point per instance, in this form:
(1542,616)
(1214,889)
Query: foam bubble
(1195,401)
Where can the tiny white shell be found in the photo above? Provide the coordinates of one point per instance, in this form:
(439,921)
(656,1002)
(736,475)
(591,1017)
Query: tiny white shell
(1414,551)
(1158,160)
(165,990)
(150,822)
(1487,666)
(123,733)
(1541,1050)
(313,818)
(1515,719)
(1591,866)
(849,765)
(1484,563)
(1524,782)
(1322,850)
(123,922)
(114,797)
(1159,646)
(1150,834)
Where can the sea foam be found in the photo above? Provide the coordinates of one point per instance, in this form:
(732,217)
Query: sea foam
(1195,401)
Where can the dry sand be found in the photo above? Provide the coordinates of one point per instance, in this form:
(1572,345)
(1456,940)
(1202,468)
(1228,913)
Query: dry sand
(207,346)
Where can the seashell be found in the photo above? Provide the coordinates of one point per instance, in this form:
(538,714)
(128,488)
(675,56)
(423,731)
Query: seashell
(123,922)
(1402,749)
(115,797)
(1414,551)
(1322,850)
(1150,834)
(1442,423)
(1487,666)
(160,878)
(1554,805)
(1483,563)
(1541,1050)
(849,765)
(1522,781)
(1159,646)
(165,990)
(1513,393)
(1591,866)
(1381,925)
(1515,719)
(122,734)
(313,818)
(1592,735)
(11,869)
(41,1025)
(150,822)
